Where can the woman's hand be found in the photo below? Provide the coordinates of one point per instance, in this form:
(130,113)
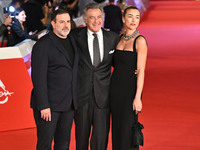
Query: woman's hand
(137,105)
(41,35)
(32,33)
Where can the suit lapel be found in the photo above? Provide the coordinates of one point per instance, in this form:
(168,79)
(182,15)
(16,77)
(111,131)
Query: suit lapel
(83,43)
(59,46)
(105,45)
(74,48)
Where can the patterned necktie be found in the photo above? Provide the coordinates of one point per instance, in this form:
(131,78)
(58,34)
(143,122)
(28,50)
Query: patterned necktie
(96,51)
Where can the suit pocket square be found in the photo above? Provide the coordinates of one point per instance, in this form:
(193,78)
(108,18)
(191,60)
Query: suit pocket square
(112,51)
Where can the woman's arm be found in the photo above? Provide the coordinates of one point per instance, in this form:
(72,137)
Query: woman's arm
(16,27)
(141,48)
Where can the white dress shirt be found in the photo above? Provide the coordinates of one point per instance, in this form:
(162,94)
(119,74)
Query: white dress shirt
(90,43)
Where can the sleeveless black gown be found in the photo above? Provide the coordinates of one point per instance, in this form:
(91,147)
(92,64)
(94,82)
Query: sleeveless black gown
(122,93)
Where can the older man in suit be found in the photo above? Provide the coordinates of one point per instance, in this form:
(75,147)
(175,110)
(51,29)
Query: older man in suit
(54,75)
(95,47)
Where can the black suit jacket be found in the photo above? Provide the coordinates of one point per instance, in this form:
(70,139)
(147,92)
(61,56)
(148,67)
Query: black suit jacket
(54,78)
(94,80)
(113,18)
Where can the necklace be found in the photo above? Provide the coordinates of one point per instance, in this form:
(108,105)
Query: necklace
(128,37)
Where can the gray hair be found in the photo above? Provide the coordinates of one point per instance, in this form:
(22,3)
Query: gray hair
(92,6)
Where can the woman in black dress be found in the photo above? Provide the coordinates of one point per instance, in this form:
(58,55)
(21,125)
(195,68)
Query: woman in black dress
(126,86)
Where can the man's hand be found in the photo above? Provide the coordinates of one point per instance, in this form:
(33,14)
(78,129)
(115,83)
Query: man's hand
(46,114)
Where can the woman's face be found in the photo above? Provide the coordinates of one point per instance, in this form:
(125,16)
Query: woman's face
(131,19)
(22,16)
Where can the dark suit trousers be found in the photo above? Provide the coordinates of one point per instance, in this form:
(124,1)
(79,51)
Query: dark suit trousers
(87,116)
(58,128)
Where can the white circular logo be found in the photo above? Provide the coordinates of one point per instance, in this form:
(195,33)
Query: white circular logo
(4,93)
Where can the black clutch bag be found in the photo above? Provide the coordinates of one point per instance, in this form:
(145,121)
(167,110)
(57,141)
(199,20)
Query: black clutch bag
(137,135)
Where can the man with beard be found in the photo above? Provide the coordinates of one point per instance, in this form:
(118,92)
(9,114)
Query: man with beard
(54,73)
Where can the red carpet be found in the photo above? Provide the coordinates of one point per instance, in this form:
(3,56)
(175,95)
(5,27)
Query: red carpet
(171,95)
(171,114)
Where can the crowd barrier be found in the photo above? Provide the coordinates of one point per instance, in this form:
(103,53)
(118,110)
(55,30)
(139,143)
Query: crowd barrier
(15,87)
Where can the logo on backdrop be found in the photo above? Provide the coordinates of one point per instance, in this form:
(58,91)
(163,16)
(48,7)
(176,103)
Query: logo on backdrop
(4,94)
